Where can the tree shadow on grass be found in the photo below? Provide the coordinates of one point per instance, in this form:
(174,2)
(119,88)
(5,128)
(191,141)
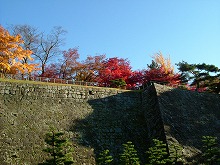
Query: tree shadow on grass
(114,121)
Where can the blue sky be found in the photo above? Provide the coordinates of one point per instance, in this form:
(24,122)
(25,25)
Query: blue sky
(186,30)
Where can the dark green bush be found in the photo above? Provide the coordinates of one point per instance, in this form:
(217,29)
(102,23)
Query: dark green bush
(118,83)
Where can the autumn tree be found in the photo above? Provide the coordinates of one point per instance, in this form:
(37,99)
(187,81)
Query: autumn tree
(89,69)
(69,64)
(49,46)
(160,76)
(115,68)
(51,71)
(30,37)
(162,62)
(136,79)
(12,54)
(161,70)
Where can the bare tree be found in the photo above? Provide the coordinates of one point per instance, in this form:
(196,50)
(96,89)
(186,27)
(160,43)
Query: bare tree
(30,36)
(43,46)
(49,46)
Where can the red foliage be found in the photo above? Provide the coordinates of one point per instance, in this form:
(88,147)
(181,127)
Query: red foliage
(69,63)
(136,79)
(51,71)
(104,71)
(115,68)
(65,68)
(194,88)
(88,70)
(161,76)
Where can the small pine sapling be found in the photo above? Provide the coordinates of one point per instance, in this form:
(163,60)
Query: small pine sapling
(104,158)
(59,149)
(129,155)
(211,152)
(176,155)
(158,153)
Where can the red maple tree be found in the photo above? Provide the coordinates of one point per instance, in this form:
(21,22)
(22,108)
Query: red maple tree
(115,68)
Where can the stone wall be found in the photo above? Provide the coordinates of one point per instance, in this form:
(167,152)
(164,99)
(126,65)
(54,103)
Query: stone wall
(93,118)
(187,116)
(152,114)
(102,118)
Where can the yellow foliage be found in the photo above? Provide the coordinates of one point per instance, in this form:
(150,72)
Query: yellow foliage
(11,54)
(165,63)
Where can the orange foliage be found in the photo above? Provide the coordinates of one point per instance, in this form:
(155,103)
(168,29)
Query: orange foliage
(164,73)
(11,54)
(164,63)
(89,69)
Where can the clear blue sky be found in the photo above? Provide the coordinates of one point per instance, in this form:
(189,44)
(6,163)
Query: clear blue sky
(186,30)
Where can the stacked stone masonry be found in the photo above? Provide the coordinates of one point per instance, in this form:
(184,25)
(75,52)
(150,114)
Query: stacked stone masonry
(95,119)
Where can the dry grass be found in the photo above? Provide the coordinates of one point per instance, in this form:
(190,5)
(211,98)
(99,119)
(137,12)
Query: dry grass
(30,82)
(54,84)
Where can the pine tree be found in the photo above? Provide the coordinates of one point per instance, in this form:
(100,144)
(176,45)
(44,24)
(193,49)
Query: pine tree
(58,148)
(176,155)
(104,158)
(212,152)
(129,155)
(158,153)
(200,75)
